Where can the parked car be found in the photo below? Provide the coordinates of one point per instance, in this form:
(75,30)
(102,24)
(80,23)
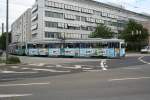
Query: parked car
(1,52)
(146,49)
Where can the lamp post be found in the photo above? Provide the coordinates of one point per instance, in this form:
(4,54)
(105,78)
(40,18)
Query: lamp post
(7,18)
(2,28)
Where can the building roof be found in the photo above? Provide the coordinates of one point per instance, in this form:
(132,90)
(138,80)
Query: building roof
(121,8)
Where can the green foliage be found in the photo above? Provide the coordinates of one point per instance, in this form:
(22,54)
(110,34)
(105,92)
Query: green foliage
(3,41)
(135,35)
(13,60)
(102,31)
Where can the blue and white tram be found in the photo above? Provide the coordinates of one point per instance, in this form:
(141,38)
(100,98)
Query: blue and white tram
(92,47)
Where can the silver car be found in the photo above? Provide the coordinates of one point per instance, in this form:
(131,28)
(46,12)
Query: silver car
(146,49)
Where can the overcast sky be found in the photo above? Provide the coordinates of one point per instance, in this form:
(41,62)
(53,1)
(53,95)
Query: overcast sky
(17,7)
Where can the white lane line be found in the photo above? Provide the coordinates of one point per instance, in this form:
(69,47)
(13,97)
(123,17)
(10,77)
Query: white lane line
(92,70)
(13,95)
(87,68)
(103,65)
(28,84)
(39,65)
(8,79)
(133,68)
(14,72)
(25,68)
(50,70)
(50,66)
(141,59)
(14,67)
(76,67)
(124,79)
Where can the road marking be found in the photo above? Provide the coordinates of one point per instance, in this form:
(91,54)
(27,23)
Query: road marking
(39,65)
(50,70)
(28,84)
(14,72)
(49,66)
(141,59)
(76,67)
(13,95)
(87,68)
(25,68)
(92,70)
(103,65)
(133,68)
(124,79)
(14,67)
(59,66)
(9,79)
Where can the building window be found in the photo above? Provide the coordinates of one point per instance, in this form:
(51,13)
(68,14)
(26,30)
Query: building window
(34,18)
(83,19)
(34,9)
(51,24)
(52,35)
(54,4)
(104,14)
(84,28)
(34,27)
(69,16)
(61,25)
(89,19)
(34,35)
(53,14)
(77,18)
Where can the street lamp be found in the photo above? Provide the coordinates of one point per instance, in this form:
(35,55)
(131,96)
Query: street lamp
(7,18)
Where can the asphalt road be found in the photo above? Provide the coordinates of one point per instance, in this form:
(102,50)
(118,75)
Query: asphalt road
(25,71)
(114,84)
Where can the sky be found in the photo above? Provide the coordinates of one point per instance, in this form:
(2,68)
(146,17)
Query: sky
(17,7)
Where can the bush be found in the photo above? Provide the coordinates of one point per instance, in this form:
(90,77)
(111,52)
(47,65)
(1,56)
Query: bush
(13,60)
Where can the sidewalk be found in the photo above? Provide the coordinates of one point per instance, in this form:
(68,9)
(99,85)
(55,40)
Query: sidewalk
(136,54)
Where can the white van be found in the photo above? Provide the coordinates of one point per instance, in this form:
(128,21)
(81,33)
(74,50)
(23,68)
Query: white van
(146,49)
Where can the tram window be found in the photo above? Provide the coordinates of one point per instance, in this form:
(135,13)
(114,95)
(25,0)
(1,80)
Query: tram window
(23,47)
(113,45)
(46,46)
(34,45)
(39,45)
(123,46)
(69,45)
(95,45)
(105,45)
(54,45)
(85,45)
(82,45)
(76,45)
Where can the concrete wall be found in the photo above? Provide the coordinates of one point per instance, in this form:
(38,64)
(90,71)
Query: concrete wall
(21,28)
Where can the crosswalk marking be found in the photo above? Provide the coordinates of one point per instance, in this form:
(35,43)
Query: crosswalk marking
(15,72)
(50,70)
(54,68)
(15,67)
(13,95)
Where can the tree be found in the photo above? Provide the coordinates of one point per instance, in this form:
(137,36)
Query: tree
(3,41)
(102,31)
(135,35)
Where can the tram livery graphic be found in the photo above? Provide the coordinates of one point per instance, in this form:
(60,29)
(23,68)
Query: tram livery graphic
(92,47)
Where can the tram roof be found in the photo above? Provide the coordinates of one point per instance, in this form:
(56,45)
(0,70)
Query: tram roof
(92,40)
(89,40)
